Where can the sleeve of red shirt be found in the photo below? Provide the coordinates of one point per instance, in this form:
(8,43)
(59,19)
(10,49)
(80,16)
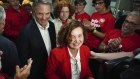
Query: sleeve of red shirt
(88,17)
(109,24)
(8,29)
(4,76)
(105,40)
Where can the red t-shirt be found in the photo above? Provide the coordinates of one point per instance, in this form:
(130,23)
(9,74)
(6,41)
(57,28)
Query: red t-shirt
(3,76)
(129,43)
(105,22)
(81,17)
(15,21)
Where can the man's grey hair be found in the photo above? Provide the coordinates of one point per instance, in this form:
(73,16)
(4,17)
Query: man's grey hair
(2,14)
(135,12)
(42,1)
(38,2)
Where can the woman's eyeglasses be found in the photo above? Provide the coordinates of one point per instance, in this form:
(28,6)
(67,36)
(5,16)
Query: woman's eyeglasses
(98,3)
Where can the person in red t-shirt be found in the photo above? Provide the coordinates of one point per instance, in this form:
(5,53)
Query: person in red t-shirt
(125,40)
(16,18)
(101,22)
(80,14)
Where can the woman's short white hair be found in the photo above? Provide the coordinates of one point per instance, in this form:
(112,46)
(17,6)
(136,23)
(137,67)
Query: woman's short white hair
(2,14)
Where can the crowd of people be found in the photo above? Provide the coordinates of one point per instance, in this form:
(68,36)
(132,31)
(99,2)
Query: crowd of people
(70,46)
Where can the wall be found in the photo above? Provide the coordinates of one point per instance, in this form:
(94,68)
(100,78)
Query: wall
(89,8)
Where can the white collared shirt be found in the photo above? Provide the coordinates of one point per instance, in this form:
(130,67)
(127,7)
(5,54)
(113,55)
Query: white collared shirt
(45,35)
(58,25)
(72,60)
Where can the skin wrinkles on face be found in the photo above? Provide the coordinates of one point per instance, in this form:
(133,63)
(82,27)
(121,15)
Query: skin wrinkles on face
(77,38)
(42,14)
(64,14)
(130,25)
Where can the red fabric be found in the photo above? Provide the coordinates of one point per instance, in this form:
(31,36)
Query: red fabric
(105,22)
(81,17)
(4,76)
(1,77)
(15,21)
(129,43)
(59,66)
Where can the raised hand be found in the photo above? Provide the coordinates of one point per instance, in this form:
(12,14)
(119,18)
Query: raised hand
(23,73)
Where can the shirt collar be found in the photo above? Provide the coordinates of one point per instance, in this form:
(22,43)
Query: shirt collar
(58,19)
(77,56)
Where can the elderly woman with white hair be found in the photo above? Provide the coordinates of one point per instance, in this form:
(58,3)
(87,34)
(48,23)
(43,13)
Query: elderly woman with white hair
(8,56)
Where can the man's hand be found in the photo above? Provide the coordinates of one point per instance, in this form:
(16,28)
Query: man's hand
(23,73)
(87,24)
(93,55)
(114,44)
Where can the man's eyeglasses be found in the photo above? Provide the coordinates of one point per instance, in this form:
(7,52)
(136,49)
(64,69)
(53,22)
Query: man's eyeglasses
(131,23)
(98,3)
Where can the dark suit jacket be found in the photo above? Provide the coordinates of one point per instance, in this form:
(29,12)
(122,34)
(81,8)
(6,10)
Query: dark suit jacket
(9,57)
(31,44)
(59,66)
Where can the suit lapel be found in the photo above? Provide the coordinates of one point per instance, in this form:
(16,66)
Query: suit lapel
(52,34)
(38,36)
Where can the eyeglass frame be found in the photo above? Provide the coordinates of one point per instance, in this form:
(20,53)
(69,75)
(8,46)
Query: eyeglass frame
(131,23)
(98,3)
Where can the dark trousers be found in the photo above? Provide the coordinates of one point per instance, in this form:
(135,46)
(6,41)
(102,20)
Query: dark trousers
(94,65)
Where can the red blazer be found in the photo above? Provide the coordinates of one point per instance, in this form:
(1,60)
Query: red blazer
(59,66)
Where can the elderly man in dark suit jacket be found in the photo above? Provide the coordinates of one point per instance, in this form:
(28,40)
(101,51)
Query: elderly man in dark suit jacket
(10,56)
(37,39)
